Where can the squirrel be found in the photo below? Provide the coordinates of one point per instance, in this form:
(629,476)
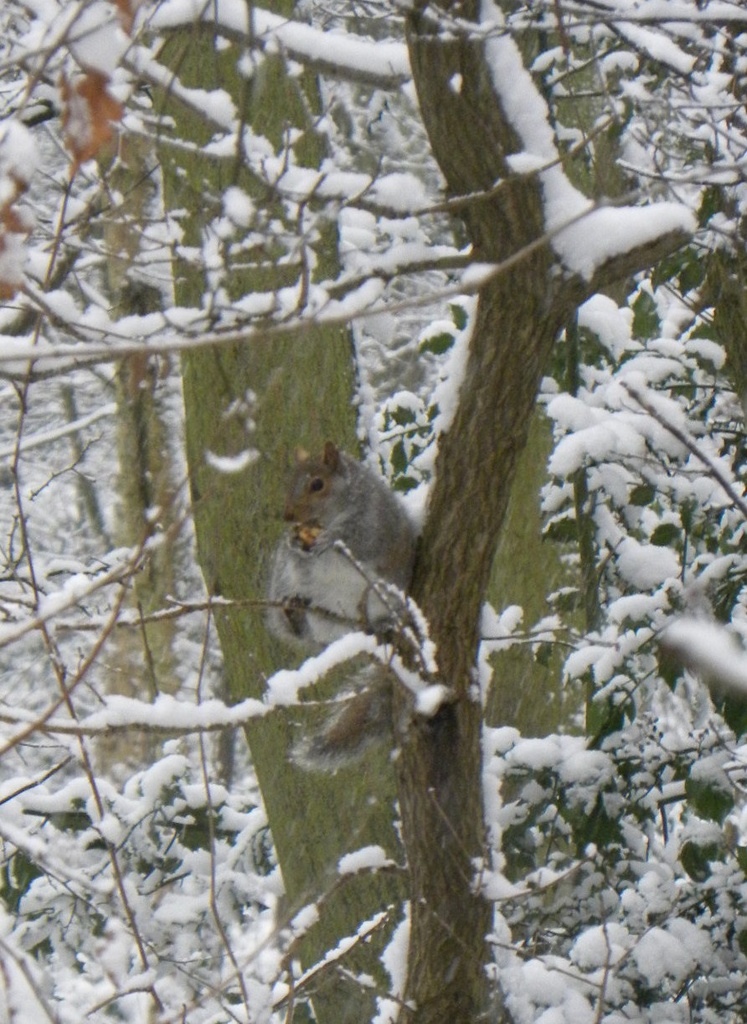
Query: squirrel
(343,565)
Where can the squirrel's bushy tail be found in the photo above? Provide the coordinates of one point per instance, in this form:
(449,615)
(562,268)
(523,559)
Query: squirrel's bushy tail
(360,721)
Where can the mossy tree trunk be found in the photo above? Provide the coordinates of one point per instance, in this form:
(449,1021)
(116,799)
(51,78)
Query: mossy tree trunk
(271,397)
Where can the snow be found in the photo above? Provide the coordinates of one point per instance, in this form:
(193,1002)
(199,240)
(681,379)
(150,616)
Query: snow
(238,206)
(585,238)
(448,389)
(646,565)
(36,440)
(659,954)
(401,192)
(613,325)
(283,686)
(658,45)
(600,946)
(430,699)
(167,712)
(96,38)
(19,157)
(305,919)
(709,649)
(525,163)
(197,900)
(231,463)
(595,435)
(336,51)
(606,232)
(369,858)
(394,959)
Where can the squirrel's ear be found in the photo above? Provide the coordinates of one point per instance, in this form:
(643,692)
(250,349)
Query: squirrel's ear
(300,455)
(331,455)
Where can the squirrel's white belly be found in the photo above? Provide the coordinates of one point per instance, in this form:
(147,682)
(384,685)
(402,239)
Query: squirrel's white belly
(334,595)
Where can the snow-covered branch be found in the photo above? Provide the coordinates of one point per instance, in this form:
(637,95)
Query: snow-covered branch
(334,53)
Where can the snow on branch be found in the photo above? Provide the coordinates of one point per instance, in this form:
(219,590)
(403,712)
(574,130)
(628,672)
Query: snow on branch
(593,236)
(654,12)
(165,715)
(711,651)
(338,54)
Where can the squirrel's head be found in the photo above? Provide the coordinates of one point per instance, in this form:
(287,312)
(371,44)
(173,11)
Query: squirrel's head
(311,485)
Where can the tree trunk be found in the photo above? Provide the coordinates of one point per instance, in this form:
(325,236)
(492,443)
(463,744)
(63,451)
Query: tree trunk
(142,662)
(527,567)
(519,315)
(296,391)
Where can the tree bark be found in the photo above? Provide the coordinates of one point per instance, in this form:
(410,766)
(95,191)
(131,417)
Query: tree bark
(520,313)
(296,391)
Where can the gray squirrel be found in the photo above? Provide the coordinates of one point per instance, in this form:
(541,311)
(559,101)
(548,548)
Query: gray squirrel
(343,565)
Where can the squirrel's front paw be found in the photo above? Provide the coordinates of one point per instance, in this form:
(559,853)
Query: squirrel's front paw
(294,609)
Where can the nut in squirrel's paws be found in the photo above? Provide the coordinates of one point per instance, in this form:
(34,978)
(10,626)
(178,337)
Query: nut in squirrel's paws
(306,534)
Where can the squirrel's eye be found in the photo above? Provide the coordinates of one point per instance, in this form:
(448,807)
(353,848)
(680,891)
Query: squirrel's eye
(317,484)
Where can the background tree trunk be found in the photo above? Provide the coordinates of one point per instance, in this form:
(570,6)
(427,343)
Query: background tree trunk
(142,664)
(304,388)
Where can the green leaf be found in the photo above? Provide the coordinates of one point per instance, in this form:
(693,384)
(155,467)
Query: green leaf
(403,484)
(603,718)
(696,859)
(398,457)
(666,535)
(18,874)
(437,343)
(735,715)
(670,670)
(563,530)
(645,317)
(711,202)
(597,827)
(692,274)
(642,494)
(543,654)
(709,800)
(403,415)
(458,315)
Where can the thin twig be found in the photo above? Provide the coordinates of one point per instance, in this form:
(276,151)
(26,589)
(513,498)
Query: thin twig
(684,438)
